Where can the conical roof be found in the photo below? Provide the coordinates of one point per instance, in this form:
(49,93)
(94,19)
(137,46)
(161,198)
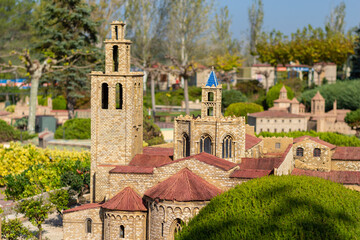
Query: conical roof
(294,100)
(184,186)
(212,81)
(317,96)
(283,89)
(126,200)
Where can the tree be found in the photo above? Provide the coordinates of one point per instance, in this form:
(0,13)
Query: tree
(355,58)
(188,22)
(66,28)
(232,96)
(353,119)
(60,199)
(256,17)
(36,210)
(13,229)
(242,109)
(335,23)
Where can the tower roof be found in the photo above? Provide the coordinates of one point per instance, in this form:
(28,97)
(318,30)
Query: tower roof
(184,186)
(212,80)
(317,96)
(283,89)
(126,200)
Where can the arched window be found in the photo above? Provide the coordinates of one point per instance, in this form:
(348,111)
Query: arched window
(104,96)
(299,152)
(116,58)
(88,225)
(205,144)
(210,96)
(119,96)
(116,33)
(227,147)
(186,145)
(210,111)
(122,232)
(176,227)
(317,152)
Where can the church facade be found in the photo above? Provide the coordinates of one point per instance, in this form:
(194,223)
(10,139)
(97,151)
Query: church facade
(148,193)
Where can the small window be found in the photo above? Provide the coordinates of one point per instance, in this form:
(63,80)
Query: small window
(116,33)
(88,225)
(210,96)
(275,130)
(186,145)
(299,152)
(104,96)
(275,120)
(317,152)
(277,145)
(210,111)
(282,130)
(122,231)
(227,147)
(116,58)
(162,229)
(290,120)
(261,120)
(268,120)
(205,144)
(299,121)
(268,130)
(260,129)
(289,129)
(283,120)
(119,96)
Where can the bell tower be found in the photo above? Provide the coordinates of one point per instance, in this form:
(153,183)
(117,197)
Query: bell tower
(211,97)
(116,110)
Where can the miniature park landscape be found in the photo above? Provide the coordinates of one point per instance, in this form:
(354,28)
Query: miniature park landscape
(109,138)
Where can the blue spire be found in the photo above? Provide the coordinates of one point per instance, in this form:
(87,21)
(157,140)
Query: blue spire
(212,80)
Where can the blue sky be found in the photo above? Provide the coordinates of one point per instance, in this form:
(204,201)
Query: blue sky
(288,15)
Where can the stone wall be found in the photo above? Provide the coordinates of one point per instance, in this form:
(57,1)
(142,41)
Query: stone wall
(287,165)
(263,124)
(255,151)
(276,144)
(164,215)
(308,161)
(345,165)
(74,224)
(134,224)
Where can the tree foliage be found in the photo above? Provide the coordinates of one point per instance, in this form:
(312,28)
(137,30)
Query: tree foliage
(274,94)
(60,200)
(353,119)
(355,58)
(279,207)
(152,134)
(76,128)
(346,93)
(242,109)
(232,96)
(13,229)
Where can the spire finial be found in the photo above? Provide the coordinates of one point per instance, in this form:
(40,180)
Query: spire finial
(212,68)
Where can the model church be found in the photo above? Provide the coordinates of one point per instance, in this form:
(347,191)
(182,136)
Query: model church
(148,193)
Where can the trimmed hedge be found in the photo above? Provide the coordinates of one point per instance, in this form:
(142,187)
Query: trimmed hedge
(232,96)
(9,133)
(242,109)
(333,138)
(279,207)
(77,128)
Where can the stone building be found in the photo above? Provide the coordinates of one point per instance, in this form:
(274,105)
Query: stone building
(148,193)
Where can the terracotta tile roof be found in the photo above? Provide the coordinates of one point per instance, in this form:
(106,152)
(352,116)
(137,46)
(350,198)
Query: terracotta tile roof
(126,200)
(132,169)
(209,159)
(346,153)
(283,89)
(183,186)
(278,109)
(260,163)
(149,160)
(317,96)
(4,113)
(250,173)
(83,207)
(285,100)
(315,139)
(302,105)
(251,141)
(294,100)
(275,114)
(344,177)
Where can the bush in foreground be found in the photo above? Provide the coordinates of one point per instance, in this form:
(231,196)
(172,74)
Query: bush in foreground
(242,109)
(286,207)
(9,133)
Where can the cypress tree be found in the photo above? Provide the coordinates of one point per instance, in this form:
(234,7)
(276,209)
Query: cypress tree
(355,59)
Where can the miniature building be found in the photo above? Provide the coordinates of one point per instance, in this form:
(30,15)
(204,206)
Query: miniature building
(147,193)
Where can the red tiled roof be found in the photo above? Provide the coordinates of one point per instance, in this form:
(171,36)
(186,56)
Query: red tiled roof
(275,114)
(149,160)
(315,139)
(260,163)
(344,177)
(251,141)
(183,186)
(208,159)
(317,96)
(294,100)
(158,151)
(4,113)
(285,100)
(83,207)
(250,173)
(132,169)
(126,200)
(346,153)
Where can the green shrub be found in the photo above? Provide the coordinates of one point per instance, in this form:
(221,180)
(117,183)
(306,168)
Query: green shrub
(346,93)
(77,128)
(13,229)
(59,103)
(279,207)
(42,100)
(333,138)
(274,94)
(152,134)
(9,133)
(242,109)
(174,98)
(10,108)
(232,96)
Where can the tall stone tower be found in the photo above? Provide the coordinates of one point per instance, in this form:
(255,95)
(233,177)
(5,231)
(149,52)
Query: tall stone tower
(116,110)
(318,104)
(211,98)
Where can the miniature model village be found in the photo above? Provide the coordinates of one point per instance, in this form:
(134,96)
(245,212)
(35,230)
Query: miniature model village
(147,193)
